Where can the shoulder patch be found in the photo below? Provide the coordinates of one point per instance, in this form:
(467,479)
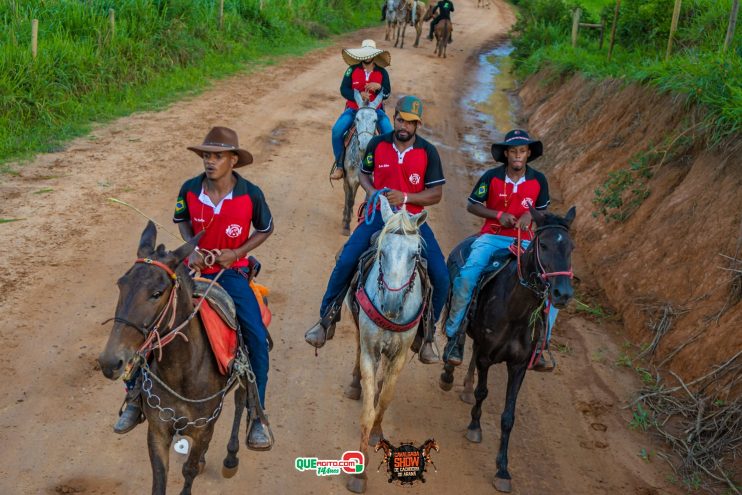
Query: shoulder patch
(349,71)
(370,159)
(482,191)
(180,205)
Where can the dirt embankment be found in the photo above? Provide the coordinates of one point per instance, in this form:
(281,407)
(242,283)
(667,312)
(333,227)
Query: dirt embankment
(666,259)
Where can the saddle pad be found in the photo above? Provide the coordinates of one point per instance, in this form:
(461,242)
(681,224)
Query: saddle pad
(222,338)
(219,299)
(261,294)
(349,135)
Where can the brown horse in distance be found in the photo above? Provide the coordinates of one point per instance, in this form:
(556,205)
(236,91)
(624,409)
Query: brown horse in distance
(442,32)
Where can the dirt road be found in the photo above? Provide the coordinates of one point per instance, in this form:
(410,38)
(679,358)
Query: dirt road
(61,261)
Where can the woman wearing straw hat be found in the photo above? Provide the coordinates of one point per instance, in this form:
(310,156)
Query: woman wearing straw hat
(366,74)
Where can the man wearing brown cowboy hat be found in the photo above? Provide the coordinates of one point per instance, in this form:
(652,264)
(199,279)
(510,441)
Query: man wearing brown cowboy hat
(367,75)
(224,205)
(501,196)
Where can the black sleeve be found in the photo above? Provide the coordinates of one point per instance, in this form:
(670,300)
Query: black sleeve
(262,220)
(451,4)
(543,199)
(181,206)
(346,86)
(386,84)
(481,189)
(434,170)
(437,6)
(367,166)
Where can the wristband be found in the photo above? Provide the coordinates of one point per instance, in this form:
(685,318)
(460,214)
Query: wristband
(404,201)
(499,215)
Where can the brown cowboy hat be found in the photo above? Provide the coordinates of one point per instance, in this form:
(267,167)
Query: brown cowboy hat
(223,139)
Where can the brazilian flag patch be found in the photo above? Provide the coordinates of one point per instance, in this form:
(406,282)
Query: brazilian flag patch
(349,71)
(180,206)
(482,191)
(370,160)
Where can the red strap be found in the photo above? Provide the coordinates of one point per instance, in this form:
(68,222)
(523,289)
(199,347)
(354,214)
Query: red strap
(368,307)
(150,261)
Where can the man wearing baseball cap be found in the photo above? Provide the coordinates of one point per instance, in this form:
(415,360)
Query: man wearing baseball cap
(410,167)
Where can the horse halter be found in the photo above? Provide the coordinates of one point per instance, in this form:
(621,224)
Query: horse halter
(358,131)
(543,275)
(407,286)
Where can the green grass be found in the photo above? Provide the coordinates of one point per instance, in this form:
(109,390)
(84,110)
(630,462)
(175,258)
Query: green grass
(160,51)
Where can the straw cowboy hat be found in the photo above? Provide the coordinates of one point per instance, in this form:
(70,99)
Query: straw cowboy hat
(223,139)
(517,137)
(367,51)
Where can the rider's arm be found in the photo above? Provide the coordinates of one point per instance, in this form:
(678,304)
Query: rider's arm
(386,84)
(451,4)
(367,184)
(346,86)
(367,167)
(426,197)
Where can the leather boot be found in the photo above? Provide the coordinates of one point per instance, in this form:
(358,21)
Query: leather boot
(318,334)
(427,354)
(260,436)
(337,173)
(453,353)
(131,414)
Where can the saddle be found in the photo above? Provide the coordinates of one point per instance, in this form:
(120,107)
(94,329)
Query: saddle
(349,135)
(456,260)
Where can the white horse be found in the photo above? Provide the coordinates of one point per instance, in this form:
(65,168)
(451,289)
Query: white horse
(394,288)
(365,124)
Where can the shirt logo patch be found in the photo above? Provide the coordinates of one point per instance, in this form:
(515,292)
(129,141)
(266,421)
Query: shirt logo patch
(526,202)
(370,159)
(180,206)
(415,179)
(482,191)
(199,220)
(234,230)
(383,165)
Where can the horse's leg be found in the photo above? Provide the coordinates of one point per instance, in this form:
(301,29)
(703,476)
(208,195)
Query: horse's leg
(192,465)
(353,391)
(419,29)
(516,373)
(349,199)
(231,462)
(474,431)
(404,30)
(445,382)
(392,370)
(158,444)
(467,395)
(357,482)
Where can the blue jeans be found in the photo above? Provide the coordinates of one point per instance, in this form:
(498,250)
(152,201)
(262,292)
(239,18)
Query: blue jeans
(359,242)
(253,330)
(345,121)
(482,250)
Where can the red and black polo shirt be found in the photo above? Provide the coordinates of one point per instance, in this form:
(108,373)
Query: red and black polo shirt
(497,192)
(357,78)
(227,224)
(417,168)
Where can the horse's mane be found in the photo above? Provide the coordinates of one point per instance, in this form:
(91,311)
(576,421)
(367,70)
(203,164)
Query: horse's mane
(399,223)
(553,219)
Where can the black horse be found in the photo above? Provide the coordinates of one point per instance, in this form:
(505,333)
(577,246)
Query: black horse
(507,324)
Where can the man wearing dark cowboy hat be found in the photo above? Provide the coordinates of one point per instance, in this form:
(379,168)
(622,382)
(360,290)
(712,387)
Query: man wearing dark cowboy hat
(444,8)
(501,196)
(224,205)
(367,75)
(411,168)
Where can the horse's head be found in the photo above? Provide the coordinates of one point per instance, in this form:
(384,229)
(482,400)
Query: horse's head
(144,295)
(383,443)
(429,13)
(398,249)
(366,119)
(553,252)
(430,444)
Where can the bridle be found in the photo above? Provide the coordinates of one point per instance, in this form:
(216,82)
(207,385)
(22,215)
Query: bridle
(543,275)
(371,132)
(407,286)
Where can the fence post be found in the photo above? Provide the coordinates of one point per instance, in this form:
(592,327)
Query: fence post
(673,26)
(262,4)
(221,14)
(34,37)
(112,19)
(575,25)
(613,29)
(732,24)
(602,32)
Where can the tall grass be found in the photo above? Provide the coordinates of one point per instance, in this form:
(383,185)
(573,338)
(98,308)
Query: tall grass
(84,72)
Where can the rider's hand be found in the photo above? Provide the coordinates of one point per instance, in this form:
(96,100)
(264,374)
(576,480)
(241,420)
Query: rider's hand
(508,220)
(365,96)
(373,86)
(524,221)
(396,198)
(196,261)
(227,258)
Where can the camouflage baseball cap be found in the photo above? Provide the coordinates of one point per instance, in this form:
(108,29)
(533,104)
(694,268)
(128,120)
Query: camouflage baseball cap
(410,108)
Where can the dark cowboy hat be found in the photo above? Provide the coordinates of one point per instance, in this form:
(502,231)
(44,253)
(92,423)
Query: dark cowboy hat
(223,139)
(516,137)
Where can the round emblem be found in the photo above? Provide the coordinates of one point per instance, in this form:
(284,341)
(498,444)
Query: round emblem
(415,179)
(234,230)
(526,203)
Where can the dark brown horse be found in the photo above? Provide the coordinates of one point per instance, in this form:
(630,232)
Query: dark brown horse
(158,285)
(442,32)
(502,327)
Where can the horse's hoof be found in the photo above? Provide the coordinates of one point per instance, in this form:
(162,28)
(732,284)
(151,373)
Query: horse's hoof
(445,384)
(375,437)
(345,231)
(502,485)
(356,484)
(474,436)
(352,393)
(201,467)
(468,397)
(228,472)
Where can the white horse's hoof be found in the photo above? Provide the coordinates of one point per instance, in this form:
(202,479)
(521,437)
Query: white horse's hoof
(356,484)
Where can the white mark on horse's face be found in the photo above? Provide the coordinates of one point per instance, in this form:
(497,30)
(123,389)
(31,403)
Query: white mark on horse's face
(559,238)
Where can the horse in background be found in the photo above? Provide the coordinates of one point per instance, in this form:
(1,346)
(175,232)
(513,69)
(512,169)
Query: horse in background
(442,32)
(394,289)
(504,324)
(415,16)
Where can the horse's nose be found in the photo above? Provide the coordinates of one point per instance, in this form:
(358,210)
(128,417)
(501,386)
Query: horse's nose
(561,294)
(111,368)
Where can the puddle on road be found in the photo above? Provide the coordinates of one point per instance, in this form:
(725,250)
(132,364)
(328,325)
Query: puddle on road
(489,107)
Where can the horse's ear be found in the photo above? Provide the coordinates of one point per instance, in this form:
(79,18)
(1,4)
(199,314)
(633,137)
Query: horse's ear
(147,241)
(377,102)
(386,210)
(570,216)
(357,98)
(186,249)
(537,216)
(420,218)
